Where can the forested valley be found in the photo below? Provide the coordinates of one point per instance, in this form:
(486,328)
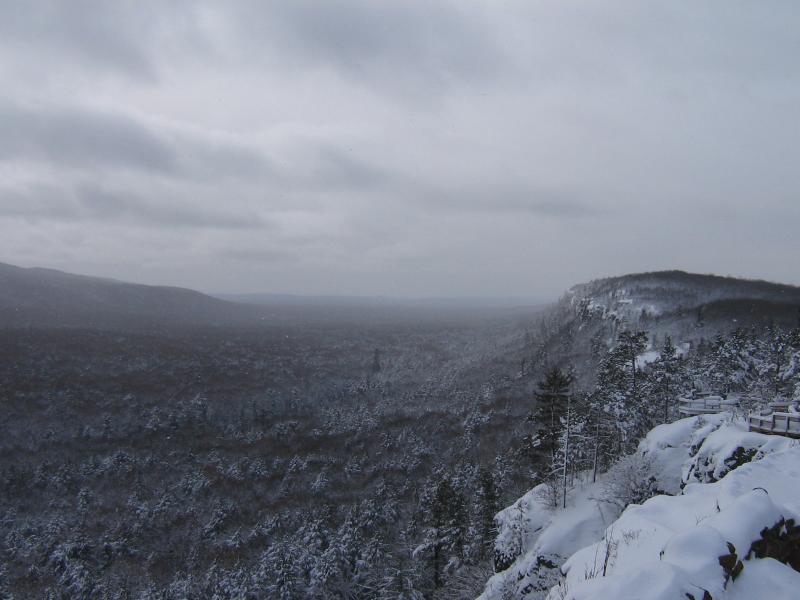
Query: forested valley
(341,460)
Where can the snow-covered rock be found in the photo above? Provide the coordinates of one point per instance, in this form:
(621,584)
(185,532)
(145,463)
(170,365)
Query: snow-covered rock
(670,446)
(534,539)
(727,448)
(670,546)
(722,486)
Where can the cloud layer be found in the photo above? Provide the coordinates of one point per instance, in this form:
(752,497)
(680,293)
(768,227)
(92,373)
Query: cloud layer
(405,148)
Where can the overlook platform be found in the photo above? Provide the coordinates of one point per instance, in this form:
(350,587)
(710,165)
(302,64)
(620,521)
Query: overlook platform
(777,423)
(704,405)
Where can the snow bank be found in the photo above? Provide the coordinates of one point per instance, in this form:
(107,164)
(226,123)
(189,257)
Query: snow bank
(729,447)
(722,485)
(705,448)
(534,539)
(670,546)
(670,446)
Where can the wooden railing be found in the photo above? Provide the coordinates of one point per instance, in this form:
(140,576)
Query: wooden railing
(780,406)
(705,405)
(780,423)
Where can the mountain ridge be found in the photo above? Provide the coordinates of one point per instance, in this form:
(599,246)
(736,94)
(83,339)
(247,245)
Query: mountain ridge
(670,279)
(639,296)
(37,296)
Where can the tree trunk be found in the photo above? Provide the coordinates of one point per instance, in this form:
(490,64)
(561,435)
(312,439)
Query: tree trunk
(566,454)
(436,550)
(596,450)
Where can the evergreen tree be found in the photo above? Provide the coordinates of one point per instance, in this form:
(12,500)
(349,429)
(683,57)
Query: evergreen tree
(667,377)
(631,344)
(398,581)
(5,592)
(278,568)
(488,504)
(791,374)
(778,343)
(551,400)
(730,365)
(618,409)
(602,435)
(571,451)
(445,514)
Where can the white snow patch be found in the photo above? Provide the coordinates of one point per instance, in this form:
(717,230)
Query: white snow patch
(533,532)
(647,357)
(670,545)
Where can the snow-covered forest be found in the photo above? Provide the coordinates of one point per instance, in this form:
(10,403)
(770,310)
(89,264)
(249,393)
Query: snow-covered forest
(399,300)
(407,458)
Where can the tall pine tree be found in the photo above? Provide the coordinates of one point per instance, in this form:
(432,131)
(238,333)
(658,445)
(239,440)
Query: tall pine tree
(551,402)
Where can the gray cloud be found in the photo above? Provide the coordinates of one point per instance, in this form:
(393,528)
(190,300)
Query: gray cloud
(89,202)
(506,197)
(88,139)
(38,201)
(111,36)
(395,46)
(80,137)
(256,255)
(102,203)
(333,166)
(414,148)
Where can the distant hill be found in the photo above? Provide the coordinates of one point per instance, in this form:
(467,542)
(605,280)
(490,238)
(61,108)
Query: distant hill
(676,295)
(692,309)
(38,297)
(670,289)
(682,304)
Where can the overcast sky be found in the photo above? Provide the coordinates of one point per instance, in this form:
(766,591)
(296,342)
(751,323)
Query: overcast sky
(414,148)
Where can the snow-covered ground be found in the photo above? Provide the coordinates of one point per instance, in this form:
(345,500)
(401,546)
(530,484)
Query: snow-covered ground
(723,486)
(542,538)
(650,356)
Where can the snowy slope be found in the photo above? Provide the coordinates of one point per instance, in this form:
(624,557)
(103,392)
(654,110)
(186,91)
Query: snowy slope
(536,539)
(728,485)
(670,546)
